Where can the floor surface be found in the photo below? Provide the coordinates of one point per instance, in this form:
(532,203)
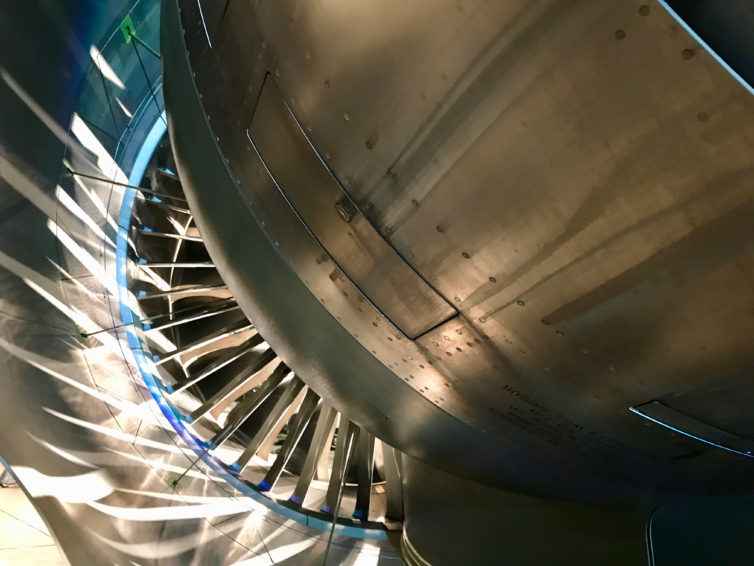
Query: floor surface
(24,538)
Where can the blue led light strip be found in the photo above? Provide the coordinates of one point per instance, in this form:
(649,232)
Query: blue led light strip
(636,411)
(704,44)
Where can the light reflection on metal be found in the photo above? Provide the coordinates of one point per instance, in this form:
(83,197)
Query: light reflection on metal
(259,447)
(95,378)
(105,68)
(84,488)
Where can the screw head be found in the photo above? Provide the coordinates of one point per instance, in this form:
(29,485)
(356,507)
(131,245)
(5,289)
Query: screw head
(344,212)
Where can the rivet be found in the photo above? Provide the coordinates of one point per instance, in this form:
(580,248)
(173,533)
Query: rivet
(277,73)
(702,116)
(687,54)
(327,83)
(620,34)
(493,280)
(347,116)
(459,349)
(368,144)
(308,56)
(560,332)
(520,303)
(440,229)
(415,203)
(644,10)
(546,322)
(466,255)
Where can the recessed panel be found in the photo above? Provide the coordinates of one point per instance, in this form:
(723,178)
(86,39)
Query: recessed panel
(353,243)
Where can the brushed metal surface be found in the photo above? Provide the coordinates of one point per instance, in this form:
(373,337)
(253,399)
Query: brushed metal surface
(579,188)
(281,305)
(337,224)
(513,528)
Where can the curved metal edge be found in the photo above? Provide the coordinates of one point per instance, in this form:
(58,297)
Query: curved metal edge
(648,539)
(409,553)
(157,391)
(638,411)
(706,46)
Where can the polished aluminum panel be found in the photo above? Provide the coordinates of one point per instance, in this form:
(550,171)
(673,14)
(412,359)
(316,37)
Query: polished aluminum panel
(565,173)
(355,246)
